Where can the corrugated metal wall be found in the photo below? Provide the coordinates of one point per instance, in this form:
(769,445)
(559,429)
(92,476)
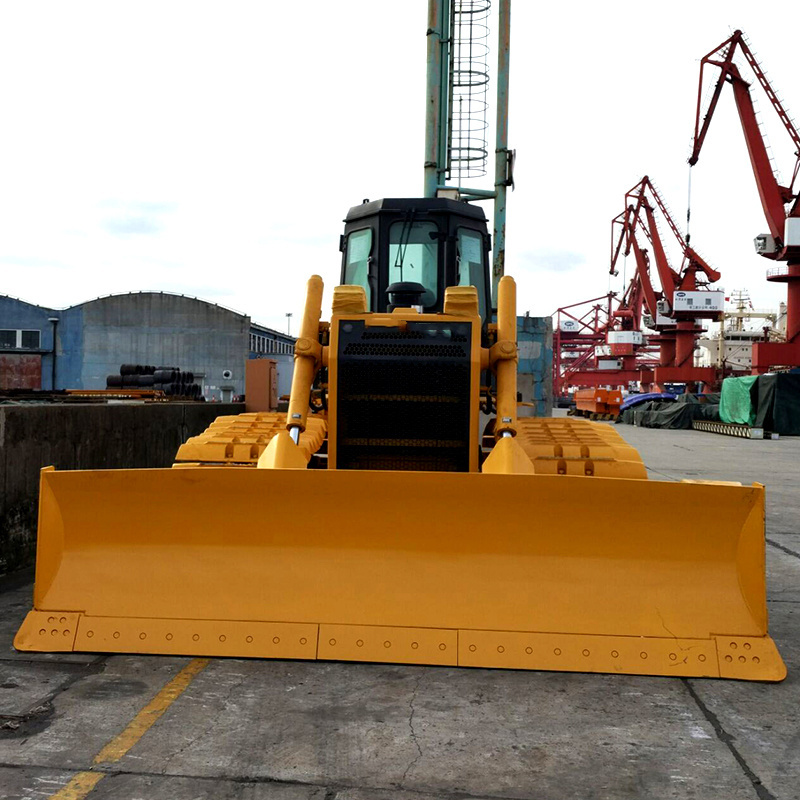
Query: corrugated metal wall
(168,330)
(535,375)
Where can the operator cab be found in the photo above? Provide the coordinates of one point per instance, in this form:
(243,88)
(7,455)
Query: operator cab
(406,252)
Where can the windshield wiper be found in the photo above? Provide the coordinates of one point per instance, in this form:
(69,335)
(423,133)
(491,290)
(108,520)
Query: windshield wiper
(405,235)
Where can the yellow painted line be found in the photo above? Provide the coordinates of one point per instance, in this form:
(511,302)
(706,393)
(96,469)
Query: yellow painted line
(82,783)
(150,714)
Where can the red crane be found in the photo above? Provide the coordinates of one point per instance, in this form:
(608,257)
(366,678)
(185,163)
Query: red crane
(578,329)
(587,348)
(782,243)
(596,344)
(627,339)
(684,296)
(639,294)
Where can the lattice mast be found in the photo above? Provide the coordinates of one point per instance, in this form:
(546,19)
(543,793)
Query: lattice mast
(456,123)
(466,152)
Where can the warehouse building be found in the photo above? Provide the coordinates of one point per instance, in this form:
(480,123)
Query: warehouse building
(78,347)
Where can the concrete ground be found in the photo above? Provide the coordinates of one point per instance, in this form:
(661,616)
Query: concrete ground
(281,730)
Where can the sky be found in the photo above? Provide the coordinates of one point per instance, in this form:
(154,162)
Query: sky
(213,149)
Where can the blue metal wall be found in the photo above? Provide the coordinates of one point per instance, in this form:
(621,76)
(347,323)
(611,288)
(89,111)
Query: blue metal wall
(17,314)
(535,372)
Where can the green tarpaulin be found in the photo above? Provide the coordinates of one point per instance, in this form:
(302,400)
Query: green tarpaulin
(670,415)
(678,414)
(771,402)
(736,404)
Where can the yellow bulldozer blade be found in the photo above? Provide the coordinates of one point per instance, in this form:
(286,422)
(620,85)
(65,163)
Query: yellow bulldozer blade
(481,570)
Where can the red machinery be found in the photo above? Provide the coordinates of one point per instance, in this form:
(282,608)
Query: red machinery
(582,356)
(684,297)
(782,243)
(627,339)
(579,330)
(598,403)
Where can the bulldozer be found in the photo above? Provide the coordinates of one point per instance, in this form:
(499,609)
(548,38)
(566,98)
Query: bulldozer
(402,510)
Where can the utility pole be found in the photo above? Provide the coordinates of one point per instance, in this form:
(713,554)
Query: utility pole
(503,157)
(54,322)
(437,95)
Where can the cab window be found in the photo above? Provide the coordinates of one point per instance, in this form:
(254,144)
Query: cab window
(470,265)
(356,269)
(414,256)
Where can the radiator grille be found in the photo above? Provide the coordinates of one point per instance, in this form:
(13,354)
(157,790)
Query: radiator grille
(403,398)
(408,350)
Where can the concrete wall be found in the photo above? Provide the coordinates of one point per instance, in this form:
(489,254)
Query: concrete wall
(93,339)
(82,437)
(535,374)
(155,328)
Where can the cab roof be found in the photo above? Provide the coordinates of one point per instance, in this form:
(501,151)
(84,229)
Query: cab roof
(422,204)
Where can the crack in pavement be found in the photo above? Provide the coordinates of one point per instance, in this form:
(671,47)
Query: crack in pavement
(413,733)
(782,547)
(728,740)
(208,729)
(332,790)
(662,474)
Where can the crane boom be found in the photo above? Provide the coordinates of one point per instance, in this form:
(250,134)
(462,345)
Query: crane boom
(783,241)
(678,300)
(626,221)
(644,197)
(773,195)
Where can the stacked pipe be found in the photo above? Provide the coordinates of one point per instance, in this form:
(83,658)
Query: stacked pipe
(171,381)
